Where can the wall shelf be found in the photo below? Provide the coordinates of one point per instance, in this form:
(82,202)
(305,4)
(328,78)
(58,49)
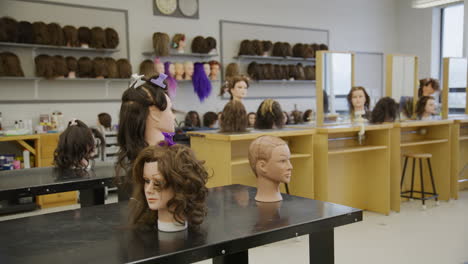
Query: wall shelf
(345,150)
(283,82)
(63,79)
(423,142)
(464,137)
(182,55)
(45,101)
(52,47)
(274,58)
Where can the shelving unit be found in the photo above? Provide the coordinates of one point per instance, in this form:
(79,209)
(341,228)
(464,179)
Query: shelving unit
(283,82)
(182,55)
(52,47)
(434,137)
(226,156)
(352,174)
(274,58)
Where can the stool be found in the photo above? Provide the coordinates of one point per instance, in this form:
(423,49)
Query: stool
(424,194)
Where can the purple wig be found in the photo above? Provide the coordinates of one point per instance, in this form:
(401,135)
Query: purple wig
(201,83)
(170,80)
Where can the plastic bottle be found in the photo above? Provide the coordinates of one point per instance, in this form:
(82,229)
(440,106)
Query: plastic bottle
(26,158)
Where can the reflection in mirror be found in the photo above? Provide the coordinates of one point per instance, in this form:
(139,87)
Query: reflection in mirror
(338,80)
(456,84)
(401,82)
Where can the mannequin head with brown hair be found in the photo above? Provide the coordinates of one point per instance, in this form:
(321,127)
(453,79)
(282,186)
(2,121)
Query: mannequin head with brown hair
(61,68)
(8,29)
(257,47)
(25,32)
(210,45)
(178,42)
(41,33)
(100,68)
(57,37)
(234,117)
(267,46)
(214,70)
(358,101)
(11,65)
(269,115)
(147,68)
(112,69)
(169,188)
(125,68)
(84,36)
(232,70)
(199,44)
(85,67)
(385,110)
(269,159)
(98,38)
(237,87)
(246,48)
(255,71)
(425,107)
(428,86)
(71,36)
(45,66)
(72,66)
(112,38)
(161,44)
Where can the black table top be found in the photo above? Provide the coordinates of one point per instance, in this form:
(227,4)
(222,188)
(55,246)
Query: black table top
(100,234)
(37,181)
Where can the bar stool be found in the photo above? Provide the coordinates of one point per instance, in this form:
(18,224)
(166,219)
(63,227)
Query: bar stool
(424,194)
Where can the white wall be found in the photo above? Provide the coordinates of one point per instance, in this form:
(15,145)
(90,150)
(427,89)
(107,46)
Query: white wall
(362,25)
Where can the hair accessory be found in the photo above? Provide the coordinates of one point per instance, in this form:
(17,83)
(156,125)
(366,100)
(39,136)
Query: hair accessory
(160,80)
(137,80)
(73,122)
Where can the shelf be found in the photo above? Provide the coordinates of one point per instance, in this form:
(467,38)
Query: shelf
(423,142)
(284,81)
(45,101)
(243,160)
(52,47)
(63,79)
(274,58)
(464,137)
(183,55)
(345,150)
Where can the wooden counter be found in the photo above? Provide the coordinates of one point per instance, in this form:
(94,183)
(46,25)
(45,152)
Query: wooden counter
(459,160)
(352,174)
(432,137)
(226,156)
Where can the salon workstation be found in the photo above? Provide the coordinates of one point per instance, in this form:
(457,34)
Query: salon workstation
(188,131)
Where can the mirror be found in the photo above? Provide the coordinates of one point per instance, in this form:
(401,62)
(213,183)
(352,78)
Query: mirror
(402,82)
(335,77)
(454,86)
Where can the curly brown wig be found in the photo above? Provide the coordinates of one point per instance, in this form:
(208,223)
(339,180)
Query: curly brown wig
(45,66)
(246,48)
(257,47)
(8,29)
(25,32)
(98,38)
(56,35)
(428,81)
(61,68)
(84,36)
(112,38)
(269,115)
(41,33)
(147,68)
(71,36)
(75,144)
(161,44)
(199,45)
(11,65)
(125,68)
(349,98)
(234,117)
(183,173)
(386,110)
(421,105)
(210,44)
(112,70)
(99,68)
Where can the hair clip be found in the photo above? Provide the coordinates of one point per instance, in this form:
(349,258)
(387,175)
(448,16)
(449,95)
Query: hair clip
(73,122)
(137,80)
(160,80)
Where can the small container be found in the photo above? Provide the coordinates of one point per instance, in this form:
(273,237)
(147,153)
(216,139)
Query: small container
(26,158)
(16,165)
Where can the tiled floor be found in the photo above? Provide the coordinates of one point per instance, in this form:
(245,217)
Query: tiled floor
(438,235)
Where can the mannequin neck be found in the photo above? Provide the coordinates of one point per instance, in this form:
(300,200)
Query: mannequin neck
(267,190)
(426,115)
(359,109)
(167,223)
(153,136)
(237,98)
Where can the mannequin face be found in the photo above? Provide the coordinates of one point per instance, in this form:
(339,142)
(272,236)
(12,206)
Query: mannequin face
(159,67)
(207,69)
(285,118)
(427,90)
(188,69)
(239,91)
(214,71)
(172,69)
(252,119)
(162,120)
(181,45)
(358,99)
(179,69)
(156,195)
(430,107)
(278,168)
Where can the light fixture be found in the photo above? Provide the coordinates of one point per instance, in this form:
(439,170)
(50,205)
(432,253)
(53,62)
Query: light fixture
(432,3)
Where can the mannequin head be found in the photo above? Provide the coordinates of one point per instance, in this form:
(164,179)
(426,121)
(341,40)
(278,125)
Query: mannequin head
(56,34)
(255,71)
(428,86)
(309,72)
(169,187)
(251,117)
(75,146)
(257,47)
(199,45)
(207,69)
(45,66)
(238,86)
(112,68)
(85,67)
(269,115)
(209,119)
(8,29)
(105,120)
(112,38)
(71,36)
(214,70)
(426,107)
(179,71)
(159,66)
(61,69)
(72,66)
(358,100)
(269,159)
(234,117)
(125,68)
(297,117)
(232,70)
(178,42)
(84,36)
(285,118)
(385,110)
(192,119)
(188,70)
(25,32)
(161,44)
(246,48)
(210,43)
(98,38)
(308,116)
(100,68)
(144,114)
(41,33)
(267,46)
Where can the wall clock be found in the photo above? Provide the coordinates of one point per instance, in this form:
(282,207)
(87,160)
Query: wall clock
(176,8)
(166,7)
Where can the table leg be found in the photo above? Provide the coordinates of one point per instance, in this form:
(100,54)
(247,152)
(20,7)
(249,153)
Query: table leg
(90,197)
(236,258)
(321,247)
